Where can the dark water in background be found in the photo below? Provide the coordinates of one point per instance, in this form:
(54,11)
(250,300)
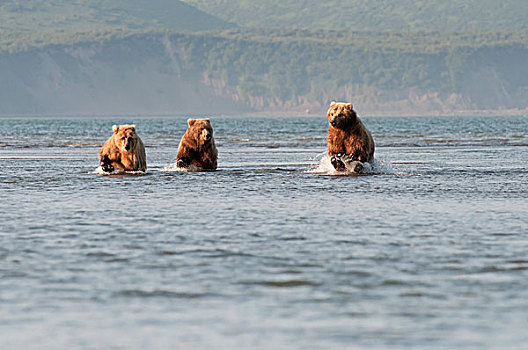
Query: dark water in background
(269,251)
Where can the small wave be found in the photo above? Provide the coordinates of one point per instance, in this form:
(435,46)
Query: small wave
(324,166)
(283,284)
(452,142)
(173,168)
(240,140)
(157,293)
(19,145)
(81,145)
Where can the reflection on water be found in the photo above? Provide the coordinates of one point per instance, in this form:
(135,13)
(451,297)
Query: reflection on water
(428,250)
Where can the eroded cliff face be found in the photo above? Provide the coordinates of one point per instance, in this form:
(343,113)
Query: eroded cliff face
(107,78)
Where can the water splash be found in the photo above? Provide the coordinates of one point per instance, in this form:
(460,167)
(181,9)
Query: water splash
(118,171)
(171,168)
(322,165)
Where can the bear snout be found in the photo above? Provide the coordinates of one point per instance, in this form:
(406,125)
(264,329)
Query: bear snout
(334,122)
(128,144)
(206,135)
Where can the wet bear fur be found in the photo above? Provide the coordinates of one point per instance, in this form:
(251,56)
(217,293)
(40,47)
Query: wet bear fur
(124,149)
(197,147)
(349,141)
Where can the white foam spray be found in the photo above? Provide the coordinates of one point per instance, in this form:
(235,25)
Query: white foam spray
(322,165)
(118,171)
(171,168)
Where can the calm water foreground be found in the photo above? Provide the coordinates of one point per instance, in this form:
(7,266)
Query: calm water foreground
(430,251)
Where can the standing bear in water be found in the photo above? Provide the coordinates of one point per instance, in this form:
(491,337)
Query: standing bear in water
(197,147)
(124,149)
(349,141)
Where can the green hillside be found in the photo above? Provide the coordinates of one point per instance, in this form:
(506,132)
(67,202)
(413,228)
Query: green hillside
(76,16)
(292,68)
(165,55)
(264,70)
(376,15)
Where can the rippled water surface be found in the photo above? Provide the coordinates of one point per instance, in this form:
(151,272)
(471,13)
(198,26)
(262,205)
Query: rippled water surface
(430,251)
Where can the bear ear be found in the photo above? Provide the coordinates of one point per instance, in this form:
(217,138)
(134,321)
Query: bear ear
(349,106)
(332,103)
(191,122)
(115,128)
(208,120)
(133,127)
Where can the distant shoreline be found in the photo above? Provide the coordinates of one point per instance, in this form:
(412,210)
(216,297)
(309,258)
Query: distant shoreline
(263,114)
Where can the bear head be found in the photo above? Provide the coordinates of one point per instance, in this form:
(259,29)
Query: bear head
(341,115)
(125,137)
(201,130)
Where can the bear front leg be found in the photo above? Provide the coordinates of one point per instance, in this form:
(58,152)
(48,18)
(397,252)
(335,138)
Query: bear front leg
(106,164)
(336,161)
(183,162)
(352,163)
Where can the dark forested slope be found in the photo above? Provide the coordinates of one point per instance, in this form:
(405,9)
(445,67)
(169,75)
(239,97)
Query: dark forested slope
(376,15)
(240,70)
(78,16)
(122,56)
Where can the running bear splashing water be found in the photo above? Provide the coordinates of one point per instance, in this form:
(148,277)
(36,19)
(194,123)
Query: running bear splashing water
(350,144)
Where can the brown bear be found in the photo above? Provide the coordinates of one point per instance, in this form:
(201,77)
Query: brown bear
(124,149)
(197,147)
(349,141)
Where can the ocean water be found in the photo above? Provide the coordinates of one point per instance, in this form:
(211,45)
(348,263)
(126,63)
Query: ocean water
(429,250)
